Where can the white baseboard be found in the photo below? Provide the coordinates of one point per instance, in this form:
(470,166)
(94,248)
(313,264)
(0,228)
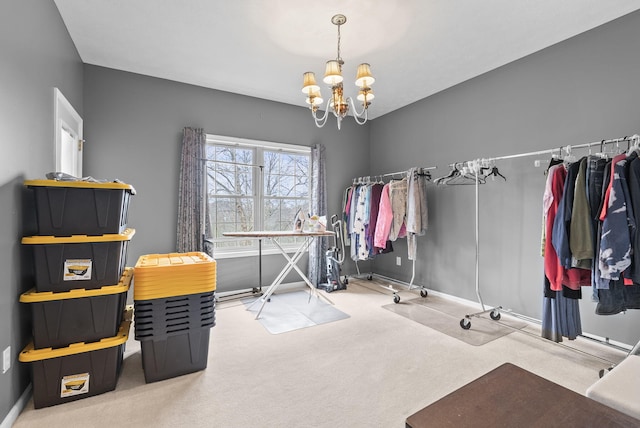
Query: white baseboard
(15,411)
(282,287)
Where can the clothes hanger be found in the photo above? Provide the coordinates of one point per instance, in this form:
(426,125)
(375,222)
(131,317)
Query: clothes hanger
(494,173)
(453,173)
(635,147)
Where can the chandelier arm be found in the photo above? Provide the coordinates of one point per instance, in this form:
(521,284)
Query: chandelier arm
(358,115)
(320,121)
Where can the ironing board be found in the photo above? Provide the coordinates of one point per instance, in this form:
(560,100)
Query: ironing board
(292,261)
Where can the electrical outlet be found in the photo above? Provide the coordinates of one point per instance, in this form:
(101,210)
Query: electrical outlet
(6,359)
(398,261)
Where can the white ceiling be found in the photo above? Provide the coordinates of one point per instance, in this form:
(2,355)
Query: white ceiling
(261,48)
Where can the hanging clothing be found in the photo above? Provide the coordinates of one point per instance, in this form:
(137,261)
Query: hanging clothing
(360,222)
(560,317)
(562,220)
(568,276)
(398,197)
(417,216)
(346,204)
(552,266)
(581,235)
(634,193)
(374,211)
(385,219)
(602,174)
(615,241)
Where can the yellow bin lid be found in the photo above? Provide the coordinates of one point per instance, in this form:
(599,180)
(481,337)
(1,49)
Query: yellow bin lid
(174,274)
(32,296)
(29,354)
(81,184)
(169,290)
(174,261)
(126,235)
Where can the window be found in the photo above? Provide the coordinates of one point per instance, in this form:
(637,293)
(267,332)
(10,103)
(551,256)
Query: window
(254,185)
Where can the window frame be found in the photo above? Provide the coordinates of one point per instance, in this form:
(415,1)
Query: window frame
(258,196)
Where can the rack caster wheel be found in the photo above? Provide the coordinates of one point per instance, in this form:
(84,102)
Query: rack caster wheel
(346,281)
(423,293)
(465,323)
(495,315)
(396,298)
(369,277)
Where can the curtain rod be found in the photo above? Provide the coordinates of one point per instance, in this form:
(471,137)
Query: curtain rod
(232,163)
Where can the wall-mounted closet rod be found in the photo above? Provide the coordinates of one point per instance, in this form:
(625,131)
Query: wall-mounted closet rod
(480,163)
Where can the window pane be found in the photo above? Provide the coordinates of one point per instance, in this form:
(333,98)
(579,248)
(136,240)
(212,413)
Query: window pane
(272,214)
(231,215)
(233,198)
(226,175)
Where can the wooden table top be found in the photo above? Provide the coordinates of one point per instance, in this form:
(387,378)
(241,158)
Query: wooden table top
(275,234)
(510,396)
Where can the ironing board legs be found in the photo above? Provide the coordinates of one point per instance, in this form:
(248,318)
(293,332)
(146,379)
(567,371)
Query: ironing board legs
(291,264)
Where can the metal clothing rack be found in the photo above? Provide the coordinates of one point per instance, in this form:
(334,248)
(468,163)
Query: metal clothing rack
(389,287)
(477,166)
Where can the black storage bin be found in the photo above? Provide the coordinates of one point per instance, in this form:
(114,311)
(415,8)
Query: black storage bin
(66,208)
(175,355)
(75,372)
(60,319)
(78,261)
(158,317)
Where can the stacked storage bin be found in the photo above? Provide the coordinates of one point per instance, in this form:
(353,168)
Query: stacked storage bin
(79,319)
(174,310)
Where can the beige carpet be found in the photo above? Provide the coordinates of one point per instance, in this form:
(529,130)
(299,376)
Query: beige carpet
(372,369)
(443,315)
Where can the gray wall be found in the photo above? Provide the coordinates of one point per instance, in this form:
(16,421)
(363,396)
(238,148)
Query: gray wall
(37,55)
(582,90)
(134,132)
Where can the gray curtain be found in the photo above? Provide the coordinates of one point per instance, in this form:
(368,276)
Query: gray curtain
(317,265)
(194,227)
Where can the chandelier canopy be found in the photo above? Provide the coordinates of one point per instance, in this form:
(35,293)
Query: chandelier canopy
(338,103)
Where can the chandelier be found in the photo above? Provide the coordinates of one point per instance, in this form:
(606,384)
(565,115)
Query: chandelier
(338,104)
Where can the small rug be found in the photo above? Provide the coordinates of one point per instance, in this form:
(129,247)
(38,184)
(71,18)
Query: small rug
(293,311)
(445,316)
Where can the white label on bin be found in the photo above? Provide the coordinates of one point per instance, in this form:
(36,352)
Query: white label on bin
(77,269)
(74,385)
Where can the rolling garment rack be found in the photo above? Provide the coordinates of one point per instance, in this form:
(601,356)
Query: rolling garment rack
(423,171)
(474,170)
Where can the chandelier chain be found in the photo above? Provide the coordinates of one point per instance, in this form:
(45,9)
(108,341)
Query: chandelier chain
(339,58)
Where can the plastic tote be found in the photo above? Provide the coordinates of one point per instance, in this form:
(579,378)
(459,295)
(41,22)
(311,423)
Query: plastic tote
(158,276)
(80,315)
(80,207)
(78,371)
(158,318)
(78,261)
